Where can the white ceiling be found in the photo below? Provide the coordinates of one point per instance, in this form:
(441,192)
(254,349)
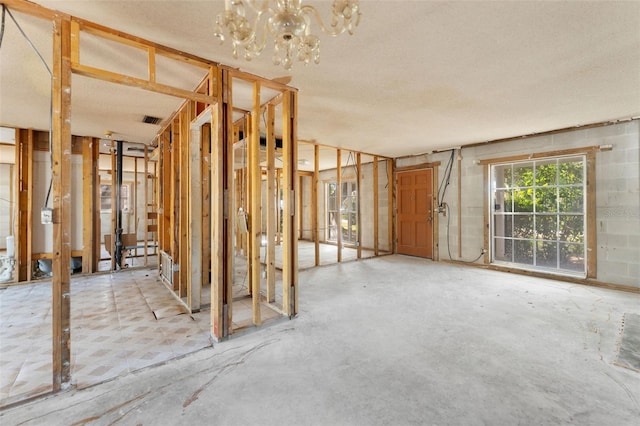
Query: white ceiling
(416,76)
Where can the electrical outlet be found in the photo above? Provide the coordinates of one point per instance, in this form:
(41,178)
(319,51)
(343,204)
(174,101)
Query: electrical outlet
(46,215)
(484,250)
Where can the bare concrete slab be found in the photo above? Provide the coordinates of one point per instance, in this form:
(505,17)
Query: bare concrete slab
(390,341)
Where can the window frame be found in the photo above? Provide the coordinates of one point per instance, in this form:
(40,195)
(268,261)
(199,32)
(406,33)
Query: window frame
(590,250)
(338,204)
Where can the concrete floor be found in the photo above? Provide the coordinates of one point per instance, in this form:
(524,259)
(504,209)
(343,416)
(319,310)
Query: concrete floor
(393,340)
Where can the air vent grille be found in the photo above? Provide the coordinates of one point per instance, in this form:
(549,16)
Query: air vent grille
(151,120)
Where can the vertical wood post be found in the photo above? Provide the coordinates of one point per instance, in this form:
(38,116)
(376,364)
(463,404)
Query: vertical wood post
(339,202)
(359,202)
(390,203)
(255,197)
(194,215)
(221,222)
(24,205)
(89,171)
(314,201)
(185,166)
(206,202)
(376,213)
(271,205)
(61,175)
(290,161)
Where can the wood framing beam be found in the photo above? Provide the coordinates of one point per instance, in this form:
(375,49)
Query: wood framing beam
(271,205)
(141,43)
(183,224)
(255,196)
(339,202)
(221,222)
(89,171)
(61,178)
(359,202)
(459,203)
(391,188)
(314,202)
(113,77)
(206,201)
(299,206)
(376,209)
(290,161)
(174,223)
(134,203)
(33,9)
(194,213)
(24,205)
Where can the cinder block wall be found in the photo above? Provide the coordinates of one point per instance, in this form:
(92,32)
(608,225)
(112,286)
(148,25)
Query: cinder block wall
(617,195)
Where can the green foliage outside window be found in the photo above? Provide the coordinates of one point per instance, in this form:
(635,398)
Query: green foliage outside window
(539,213)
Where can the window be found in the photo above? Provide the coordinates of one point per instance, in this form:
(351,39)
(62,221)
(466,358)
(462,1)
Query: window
(347,214)
(538,219)
(105,197)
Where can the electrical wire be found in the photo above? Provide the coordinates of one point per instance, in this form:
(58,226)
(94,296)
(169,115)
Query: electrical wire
(445,182)
(35,49)
(4,12)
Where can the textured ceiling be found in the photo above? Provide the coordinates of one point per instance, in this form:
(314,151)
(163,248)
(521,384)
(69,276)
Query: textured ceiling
(416,76)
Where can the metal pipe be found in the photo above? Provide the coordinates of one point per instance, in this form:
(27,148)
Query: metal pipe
(118,230)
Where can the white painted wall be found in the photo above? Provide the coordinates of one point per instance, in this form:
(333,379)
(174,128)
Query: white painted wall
(617,192)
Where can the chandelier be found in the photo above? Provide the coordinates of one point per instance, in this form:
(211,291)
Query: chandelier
(288,22)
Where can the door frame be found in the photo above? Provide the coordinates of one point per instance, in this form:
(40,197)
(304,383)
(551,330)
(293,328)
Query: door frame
(434,190)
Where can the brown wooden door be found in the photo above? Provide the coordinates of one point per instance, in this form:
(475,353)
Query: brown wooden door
(415,215)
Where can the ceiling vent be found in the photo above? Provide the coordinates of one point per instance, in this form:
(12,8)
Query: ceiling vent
(151,120)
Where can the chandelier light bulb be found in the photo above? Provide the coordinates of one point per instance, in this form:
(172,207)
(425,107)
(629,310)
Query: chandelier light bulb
(287,22)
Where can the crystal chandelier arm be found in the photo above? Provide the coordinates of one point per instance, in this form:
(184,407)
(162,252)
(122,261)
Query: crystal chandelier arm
(310,10)
(346,16)
(260,7)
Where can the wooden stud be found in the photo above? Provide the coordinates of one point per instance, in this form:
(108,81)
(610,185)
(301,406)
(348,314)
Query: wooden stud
(134,203)
(271,205)
(359,202)
(390,206)
(206,203)
(314,202)
(24,205)
(88,204)
(194,215)
(221,220)
(151,63)
(339,202)
(279,201)
(376,211)
(460,203)
(61,191)
(126,80)
(290,248)
(300,205)
(175,201)
(255,196)
(436,218)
